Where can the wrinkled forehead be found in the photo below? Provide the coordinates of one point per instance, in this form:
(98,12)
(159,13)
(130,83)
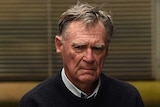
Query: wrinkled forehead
(81,35)
(78,28)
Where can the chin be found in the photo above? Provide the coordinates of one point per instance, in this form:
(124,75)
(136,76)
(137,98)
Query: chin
(88,79)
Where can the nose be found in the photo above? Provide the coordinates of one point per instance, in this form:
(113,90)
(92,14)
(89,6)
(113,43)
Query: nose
(89,57)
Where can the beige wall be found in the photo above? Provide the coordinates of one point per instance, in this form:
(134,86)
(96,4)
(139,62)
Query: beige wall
(150,92)
(13,91)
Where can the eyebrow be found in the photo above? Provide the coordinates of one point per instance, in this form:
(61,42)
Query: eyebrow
(78,43)
(98,45)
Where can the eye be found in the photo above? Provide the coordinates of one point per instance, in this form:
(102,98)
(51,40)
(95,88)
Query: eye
(98,49)
(79,48)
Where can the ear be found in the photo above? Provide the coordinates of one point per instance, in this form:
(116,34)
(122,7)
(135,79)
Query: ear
(58,44)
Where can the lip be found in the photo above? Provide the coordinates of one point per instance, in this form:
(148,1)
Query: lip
(88,69)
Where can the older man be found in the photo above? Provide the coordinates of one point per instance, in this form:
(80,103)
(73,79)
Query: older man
(83,41)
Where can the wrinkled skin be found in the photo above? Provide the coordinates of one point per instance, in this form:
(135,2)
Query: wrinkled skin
(83,52)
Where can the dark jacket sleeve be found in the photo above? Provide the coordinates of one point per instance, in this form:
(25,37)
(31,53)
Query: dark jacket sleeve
(26,101)
(139,101)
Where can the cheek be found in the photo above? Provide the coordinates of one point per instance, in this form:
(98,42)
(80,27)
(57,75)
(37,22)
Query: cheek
(100,61)
(69,57)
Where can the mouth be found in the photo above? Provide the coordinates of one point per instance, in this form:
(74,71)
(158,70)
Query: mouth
(88,69)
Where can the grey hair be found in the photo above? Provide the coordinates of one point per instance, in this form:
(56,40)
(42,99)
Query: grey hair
(89,15)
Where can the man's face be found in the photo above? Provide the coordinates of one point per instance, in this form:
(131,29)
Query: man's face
(83,51)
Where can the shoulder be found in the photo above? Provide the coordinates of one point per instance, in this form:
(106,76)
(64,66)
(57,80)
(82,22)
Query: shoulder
(121,92)
(42,91)
(118,86)
(46,85)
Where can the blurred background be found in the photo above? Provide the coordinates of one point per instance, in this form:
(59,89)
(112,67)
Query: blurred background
(27,52)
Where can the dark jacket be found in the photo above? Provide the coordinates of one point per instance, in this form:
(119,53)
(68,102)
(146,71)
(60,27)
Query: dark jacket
(53,93)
